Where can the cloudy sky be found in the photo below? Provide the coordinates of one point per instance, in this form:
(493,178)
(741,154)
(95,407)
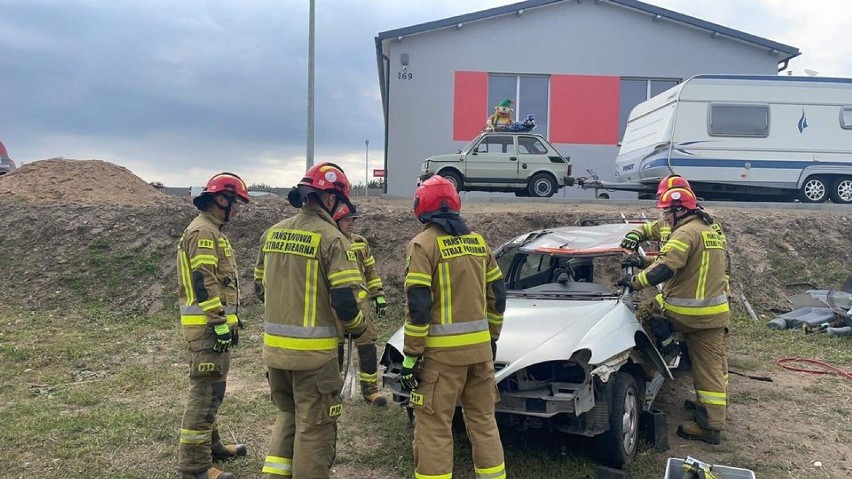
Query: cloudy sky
(178,90)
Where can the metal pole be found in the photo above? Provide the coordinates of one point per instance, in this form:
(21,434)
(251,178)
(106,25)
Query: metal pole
(367,167)
(309,157)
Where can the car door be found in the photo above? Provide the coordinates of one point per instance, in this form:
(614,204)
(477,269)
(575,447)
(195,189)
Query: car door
(494,160)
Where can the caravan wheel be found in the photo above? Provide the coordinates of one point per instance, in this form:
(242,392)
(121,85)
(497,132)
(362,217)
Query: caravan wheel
(814,190)
(841,190)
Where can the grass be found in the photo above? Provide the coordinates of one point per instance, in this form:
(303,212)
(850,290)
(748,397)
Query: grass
(112,269)
(755,346)
(99,394)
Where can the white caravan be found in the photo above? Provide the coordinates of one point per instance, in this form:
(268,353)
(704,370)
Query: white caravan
(743,137)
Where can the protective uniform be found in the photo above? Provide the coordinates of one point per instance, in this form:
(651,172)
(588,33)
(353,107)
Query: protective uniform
(209,296)
(308,277)
(456,297)
(691,268)
(649,311)
(371,290)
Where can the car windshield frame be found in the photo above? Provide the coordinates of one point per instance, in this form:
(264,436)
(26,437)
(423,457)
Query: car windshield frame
(575,250)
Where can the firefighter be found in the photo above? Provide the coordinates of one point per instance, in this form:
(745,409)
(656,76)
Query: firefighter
(209,298)
(308,278)
(649,312)
(372,293)
(456,297)
(691,269)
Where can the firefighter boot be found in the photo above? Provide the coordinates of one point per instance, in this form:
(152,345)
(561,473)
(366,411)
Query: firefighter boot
(368,365)
(694,432)
(225,453)
(211,473)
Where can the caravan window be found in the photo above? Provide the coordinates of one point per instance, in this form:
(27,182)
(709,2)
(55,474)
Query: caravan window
(739,120)
(846,117)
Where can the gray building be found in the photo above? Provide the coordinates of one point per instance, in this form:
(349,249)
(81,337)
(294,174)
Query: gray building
(578,66)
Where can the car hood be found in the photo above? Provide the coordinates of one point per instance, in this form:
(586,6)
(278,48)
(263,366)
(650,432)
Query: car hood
(539,330)
(445,158)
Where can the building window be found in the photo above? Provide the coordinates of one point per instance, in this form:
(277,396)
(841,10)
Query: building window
(636,90)
(738,120)
(846,117)
(529,95)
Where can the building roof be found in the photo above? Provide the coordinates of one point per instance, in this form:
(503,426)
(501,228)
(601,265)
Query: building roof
(785,52)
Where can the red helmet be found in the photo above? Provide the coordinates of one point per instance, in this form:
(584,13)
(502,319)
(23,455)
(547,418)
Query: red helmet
(326,177)
(672,181)
(227,182)
(436,195)
(678,198)
(344,212)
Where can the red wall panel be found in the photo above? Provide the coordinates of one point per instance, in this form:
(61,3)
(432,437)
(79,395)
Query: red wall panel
(584,109)
(470,104)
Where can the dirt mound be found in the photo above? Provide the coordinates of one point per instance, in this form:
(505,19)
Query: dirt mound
(122,257)
(91,182)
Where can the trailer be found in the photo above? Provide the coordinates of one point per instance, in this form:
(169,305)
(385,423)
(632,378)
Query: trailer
(742,137)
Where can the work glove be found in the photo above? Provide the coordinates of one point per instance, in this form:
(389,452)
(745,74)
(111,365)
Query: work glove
(493,350)
(408,377)
(235,334)
(626,281)
(381,305)
(631,241)
(633,260)
(223,338)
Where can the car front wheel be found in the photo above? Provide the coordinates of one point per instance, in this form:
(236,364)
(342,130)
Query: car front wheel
(453,178)
(618,445)
(542,185)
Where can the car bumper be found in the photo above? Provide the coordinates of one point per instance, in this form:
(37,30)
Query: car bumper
(424,177)
(569,180)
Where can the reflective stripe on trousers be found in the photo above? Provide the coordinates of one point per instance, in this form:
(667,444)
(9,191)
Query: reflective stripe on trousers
(282,466)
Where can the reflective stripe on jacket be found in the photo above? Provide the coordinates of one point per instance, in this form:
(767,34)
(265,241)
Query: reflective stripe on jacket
(208,289)
(367,265)
(654,231)
(697,293)
(458,270)
(300,261)
(658,230)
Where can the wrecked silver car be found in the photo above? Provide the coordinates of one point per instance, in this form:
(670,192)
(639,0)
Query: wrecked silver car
(572,356)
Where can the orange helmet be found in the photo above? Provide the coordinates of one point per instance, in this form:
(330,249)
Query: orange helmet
(344,212)
(672,181)
(678,198)
(436,195)
(225,183)
(326,177)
